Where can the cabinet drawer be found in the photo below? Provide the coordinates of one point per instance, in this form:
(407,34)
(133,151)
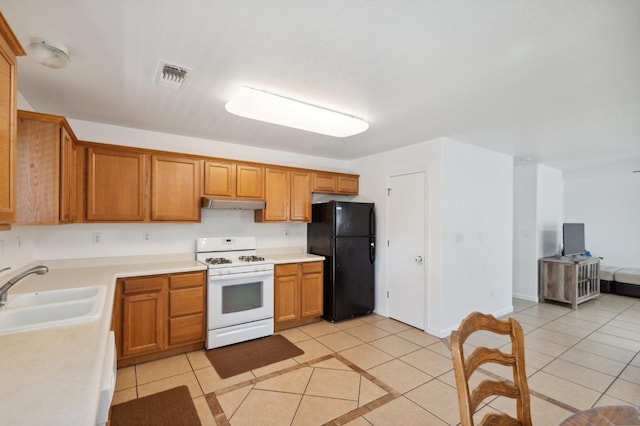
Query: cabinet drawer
(311,267)
(186,329)
(140,285)
(191,279)
(186,301)
(286,269)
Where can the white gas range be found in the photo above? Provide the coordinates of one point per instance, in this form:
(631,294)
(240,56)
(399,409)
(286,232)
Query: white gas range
(239,290)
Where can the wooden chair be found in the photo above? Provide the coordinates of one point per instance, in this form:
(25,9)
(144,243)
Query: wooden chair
(464,368)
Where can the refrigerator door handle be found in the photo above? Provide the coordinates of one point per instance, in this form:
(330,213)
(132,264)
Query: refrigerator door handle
(372,221)
(372,250)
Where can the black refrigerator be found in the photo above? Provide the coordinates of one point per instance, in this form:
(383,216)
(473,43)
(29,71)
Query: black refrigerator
(344,233)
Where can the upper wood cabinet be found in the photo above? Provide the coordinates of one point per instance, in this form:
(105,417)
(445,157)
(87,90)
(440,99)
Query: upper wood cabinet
(130,185)
(249,181)
(300,196)
(287,196)
(10,48)
(46,177)
(175,188)
(117,185)
(233,180)
(348,184)
(334,183)
(277,189)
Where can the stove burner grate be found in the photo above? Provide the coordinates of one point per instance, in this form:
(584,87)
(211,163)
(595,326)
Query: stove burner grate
(217,260)
(251,258)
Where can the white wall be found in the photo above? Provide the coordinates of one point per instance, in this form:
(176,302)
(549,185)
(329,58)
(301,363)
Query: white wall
(470,193)
(374,171)
(104,133)
(609,206)
(477,233)
(549,211)
(525,246)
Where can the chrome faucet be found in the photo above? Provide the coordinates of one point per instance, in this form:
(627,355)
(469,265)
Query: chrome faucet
(40,270)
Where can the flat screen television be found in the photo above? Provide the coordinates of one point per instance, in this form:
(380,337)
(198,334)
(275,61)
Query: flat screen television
(573,239)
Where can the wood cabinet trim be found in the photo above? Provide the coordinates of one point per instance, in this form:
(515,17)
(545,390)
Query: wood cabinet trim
(9,49)
(58,119)
(10,38)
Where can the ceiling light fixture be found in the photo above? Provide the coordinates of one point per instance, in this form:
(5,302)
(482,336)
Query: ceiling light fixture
(264,106)
(49,53)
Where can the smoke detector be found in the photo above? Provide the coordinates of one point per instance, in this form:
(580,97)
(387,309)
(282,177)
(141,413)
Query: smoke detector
(172,76)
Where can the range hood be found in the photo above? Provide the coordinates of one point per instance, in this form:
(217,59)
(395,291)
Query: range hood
(229,204)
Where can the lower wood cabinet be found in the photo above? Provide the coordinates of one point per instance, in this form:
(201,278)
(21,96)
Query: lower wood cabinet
(159,315)
(298,289)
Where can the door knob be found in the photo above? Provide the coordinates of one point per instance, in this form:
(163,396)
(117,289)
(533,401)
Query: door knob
(418,259)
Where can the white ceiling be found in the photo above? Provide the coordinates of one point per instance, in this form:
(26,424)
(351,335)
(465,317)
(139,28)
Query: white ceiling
(557,82)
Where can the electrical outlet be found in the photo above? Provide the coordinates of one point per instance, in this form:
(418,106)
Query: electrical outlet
(96,237)
(286,232)
(146,236)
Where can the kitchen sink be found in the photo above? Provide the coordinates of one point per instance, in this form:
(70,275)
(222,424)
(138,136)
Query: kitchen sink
(52,296)
(53,308)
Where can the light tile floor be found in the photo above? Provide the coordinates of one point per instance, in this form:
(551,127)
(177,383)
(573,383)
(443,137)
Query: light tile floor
(377,371)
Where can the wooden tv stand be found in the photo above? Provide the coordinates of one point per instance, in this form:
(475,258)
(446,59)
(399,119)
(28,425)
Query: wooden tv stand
(569,281)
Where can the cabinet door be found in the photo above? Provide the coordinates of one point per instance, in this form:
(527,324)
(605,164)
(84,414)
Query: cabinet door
(348,185)
(143,323)
(324,182)
(38,161)
(286,298)
(175,188)
(9,48)
(300,203)
(117,185)
(68,188)
(311,290)
(249,181)
(276,195)
(219,178)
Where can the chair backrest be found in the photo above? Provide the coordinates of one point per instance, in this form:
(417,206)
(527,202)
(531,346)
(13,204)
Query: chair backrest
(464,368)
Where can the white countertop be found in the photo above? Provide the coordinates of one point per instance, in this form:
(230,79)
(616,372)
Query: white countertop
(288,255)
(294,258)
(52,376)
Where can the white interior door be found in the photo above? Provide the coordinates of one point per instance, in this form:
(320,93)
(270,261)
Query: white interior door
(406,283)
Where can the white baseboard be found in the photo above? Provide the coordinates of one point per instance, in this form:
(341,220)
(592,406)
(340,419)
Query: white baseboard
(525,297)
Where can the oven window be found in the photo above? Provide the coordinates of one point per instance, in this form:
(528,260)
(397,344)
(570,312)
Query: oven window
(241,297)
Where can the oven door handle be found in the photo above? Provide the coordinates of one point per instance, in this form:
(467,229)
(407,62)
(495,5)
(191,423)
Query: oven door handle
(227,277)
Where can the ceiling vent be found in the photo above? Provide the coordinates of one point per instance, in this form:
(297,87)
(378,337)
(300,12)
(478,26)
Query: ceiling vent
(172,76)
